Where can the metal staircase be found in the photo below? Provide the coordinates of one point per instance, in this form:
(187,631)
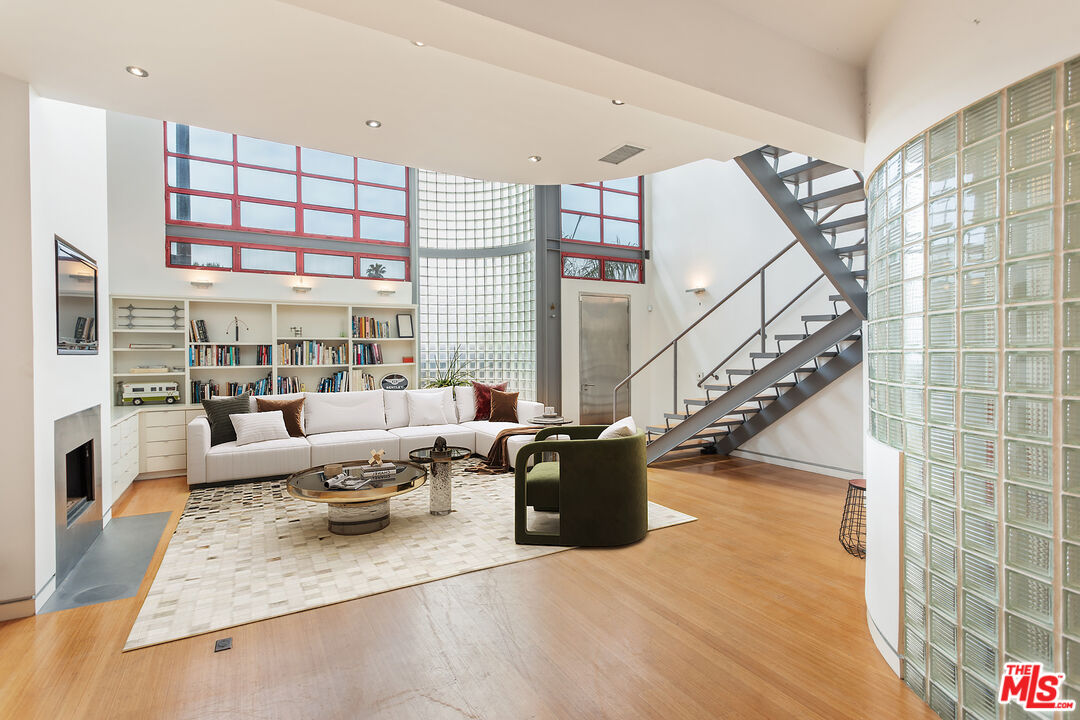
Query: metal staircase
(739,402)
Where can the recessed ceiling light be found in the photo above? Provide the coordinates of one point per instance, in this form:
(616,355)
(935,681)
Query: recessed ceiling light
(137,71)
(373,123)
(417,43)
(535,158)
(618,102)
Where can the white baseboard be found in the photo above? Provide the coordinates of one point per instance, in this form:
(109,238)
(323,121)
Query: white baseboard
(15,609)
(813,467)
(892,657)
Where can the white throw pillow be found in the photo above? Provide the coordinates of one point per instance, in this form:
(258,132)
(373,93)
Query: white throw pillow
(257,427)
(426,408)
(447,395)
(342,411)
(621,428)
(397,408)
(465,400)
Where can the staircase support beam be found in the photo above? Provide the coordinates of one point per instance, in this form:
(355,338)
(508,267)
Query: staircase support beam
(848,358)
(805,230)
(793,359)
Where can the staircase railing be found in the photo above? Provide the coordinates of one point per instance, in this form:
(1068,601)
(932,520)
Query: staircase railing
(760,331)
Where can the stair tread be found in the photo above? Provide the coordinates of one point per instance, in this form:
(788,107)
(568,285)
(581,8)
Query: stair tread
(837,196)
(810,171)
(836,298)
(859,273)
(764,355)
(790,336)
(819,318)
(855,222)
(740,372)
(855,249)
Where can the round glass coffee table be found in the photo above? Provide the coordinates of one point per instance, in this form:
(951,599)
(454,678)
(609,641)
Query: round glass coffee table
(356,512)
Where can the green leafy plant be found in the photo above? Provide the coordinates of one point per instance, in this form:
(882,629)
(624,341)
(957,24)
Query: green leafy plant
(454,373)
(375,270)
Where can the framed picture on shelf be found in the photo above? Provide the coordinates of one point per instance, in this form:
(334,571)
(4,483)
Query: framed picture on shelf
(404,325)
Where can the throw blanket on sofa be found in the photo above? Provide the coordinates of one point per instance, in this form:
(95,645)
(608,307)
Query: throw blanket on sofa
(497,460)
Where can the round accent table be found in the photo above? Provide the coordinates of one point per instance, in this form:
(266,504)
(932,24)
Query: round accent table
(356,512)
(440,459)
(554,420)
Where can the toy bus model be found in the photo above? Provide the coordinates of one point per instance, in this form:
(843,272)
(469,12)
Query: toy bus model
(155,392)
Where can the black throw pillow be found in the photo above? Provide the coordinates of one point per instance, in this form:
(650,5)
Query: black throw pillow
(218,410)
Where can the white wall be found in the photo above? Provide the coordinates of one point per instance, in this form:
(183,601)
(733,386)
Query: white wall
(935,57)
(708,226)
(17,575)
(68,188)
(137,235)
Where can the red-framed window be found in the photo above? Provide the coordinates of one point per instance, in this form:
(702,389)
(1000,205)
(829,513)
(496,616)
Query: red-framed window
(595,267)
(604,213)
(233,182)
(183,252)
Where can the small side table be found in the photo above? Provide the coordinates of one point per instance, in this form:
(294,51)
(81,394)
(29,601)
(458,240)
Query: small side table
(542,420)
(440,487)
(853,521)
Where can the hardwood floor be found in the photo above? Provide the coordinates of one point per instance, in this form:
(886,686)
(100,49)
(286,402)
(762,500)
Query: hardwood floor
(753,611)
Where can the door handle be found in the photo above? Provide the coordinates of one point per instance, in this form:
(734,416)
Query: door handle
(587,385)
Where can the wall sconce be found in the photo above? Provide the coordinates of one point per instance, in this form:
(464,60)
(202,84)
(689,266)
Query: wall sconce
(202,284)
(386,290)
(699,291)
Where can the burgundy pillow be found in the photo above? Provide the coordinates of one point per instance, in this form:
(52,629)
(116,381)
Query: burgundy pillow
(503,406)
(483,398)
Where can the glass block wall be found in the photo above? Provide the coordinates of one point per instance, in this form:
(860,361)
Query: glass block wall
(477,274)
(974,364)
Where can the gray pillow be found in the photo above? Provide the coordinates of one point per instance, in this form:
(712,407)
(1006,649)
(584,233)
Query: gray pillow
(218,411)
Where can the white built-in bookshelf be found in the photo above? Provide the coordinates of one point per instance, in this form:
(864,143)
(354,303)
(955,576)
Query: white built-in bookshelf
(268,347)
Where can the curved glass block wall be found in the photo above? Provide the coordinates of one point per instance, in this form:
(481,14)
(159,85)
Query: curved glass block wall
(477,273)
(974,365)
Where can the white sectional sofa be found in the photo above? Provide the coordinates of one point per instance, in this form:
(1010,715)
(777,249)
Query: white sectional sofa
(348,426)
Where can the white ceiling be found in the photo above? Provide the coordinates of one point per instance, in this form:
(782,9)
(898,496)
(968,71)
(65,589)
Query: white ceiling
(496,83)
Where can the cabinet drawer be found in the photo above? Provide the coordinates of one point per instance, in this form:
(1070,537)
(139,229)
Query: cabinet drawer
(165,447)
(166,432)
(192,414)
(161,418)
(167,462)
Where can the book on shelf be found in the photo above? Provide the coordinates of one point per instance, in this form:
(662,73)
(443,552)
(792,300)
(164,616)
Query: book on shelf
(369,327)
(338,382)
(148,369)
(80,328)
(203,389)
(367,354)
(363,381)
(312,352)
(224,355)
(198,332)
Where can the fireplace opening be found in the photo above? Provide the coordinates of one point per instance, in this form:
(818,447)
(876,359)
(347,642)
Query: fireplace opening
(80,480)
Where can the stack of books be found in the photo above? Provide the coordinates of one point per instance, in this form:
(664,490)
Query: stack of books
(369,327)
(379,473)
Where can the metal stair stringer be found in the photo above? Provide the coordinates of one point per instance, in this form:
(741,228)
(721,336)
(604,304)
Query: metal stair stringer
(787,206)
(848,358)
(791,360)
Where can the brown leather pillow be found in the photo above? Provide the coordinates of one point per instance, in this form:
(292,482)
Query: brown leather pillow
(483,398)
(290,409)
(503,406)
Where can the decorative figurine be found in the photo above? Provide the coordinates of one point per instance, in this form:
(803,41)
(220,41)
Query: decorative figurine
(297,331)
(235,325)
(376,457)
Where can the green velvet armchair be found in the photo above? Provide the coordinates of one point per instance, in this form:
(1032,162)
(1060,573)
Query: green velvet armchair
(597,486)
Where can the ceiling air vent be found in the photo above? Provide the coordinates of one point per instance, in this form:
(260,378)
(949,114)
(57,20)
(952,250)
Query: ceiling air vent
(617,155)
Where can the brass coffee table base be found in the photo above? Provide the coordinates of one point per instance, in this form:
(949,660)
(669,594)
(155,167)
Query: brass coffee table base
(357,518)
